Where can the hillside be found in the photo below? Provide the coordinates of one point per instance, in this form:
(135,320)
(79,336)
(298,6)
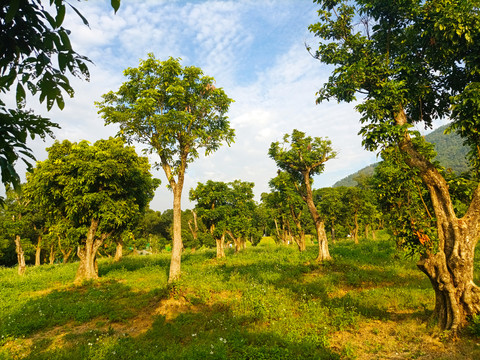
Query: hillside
(450,153)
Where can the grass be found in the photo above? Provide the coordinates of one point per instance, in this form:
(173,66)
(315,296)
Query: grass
(268,302)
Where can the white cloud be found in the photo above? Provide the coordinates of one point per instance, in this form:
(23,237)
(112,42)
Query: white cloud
(254,49)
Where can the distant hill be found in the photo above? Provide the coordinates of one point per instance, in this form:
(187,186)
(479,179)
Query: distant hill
(450,153)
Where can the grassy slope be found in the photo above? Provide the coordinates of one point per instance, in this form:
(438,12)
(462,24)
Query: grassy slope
(269,302)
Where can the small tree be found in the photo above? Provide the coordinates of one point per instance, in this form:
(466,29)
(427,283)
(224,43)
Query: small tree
(175,111)
(212,207)
(305,158)
(99,188)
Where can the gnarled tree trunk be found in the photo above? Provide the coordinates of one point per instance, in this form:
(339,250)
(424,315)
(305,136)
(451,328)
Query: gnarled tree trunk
(88,268)
(450,269)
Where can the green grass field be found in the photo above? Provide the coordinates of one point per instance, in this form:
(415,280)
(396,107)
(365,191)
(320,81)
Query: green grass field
(268,302)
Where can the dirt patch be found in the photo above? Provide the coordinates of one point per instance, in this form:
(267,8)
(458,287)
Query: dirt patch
(395,340)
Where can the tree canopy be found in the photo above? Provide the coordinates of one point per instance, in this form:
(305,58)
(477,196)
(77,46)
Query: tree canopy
(36,56)
(100,188)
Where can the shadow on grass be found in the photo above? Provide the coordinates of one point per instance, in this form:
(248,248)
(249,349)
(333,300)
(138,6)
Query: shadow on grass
(213,333)
(108,301)
(380,289)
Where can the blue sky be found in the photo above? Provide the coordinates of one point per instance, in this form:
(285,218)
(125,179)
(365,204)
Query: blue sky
(253,48)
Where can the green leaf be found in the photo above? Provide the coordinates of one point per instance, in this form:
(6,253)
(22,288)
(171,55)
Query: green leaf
(12,10)
(60,15)
(115,5)
(20,95)
(80,15)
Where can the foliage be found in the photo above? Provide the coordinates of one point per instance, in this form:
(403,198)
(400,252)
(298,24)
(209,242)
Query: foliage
(174,110)
(227,208)
(35,56)
(80,184)
(418,56)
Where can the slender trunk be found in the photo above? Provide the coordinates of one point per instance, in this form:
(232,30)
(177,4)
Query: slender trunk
(38,250)
(323,252)
(66,254)
(119,250)
(194,228)
(221,246)
(374,235)
(367,232)
(51,257)
(333,232)
(175,262)
(355,228)
(300,239)
(279,235)
(450,269)
(88,268)
(20,255)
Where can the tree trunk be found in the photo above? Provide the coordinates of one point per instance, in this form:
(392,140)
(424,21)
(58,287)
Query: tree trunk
(323,252)
(177,245)
(88,268)
(300,239)
(51,257)
(450,269)
(221,246)
(38,250)
(66,254)
(194,229)
(333,232)
(355,229)
(20,255)
(119,250)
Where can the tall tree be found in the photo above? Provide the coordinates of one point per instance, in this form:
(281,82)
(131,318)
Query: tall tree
(414,62)
(100,188)
(35,56)
(304,158)
(176,111)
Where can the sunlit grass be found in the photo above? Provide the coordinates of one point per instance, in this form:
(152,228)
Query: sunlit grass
(267,302)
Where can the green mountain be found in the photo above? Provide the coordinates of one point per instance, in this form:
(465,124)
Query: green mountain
(451,153)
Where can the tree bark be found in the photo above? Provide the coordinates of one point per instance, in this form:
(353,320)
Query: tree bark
(221,246)
(323,252)
(51,257)
(300,239)
(20,255)
(450,269)
(119,250)
(88,268)
(38,250)
(175,262)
